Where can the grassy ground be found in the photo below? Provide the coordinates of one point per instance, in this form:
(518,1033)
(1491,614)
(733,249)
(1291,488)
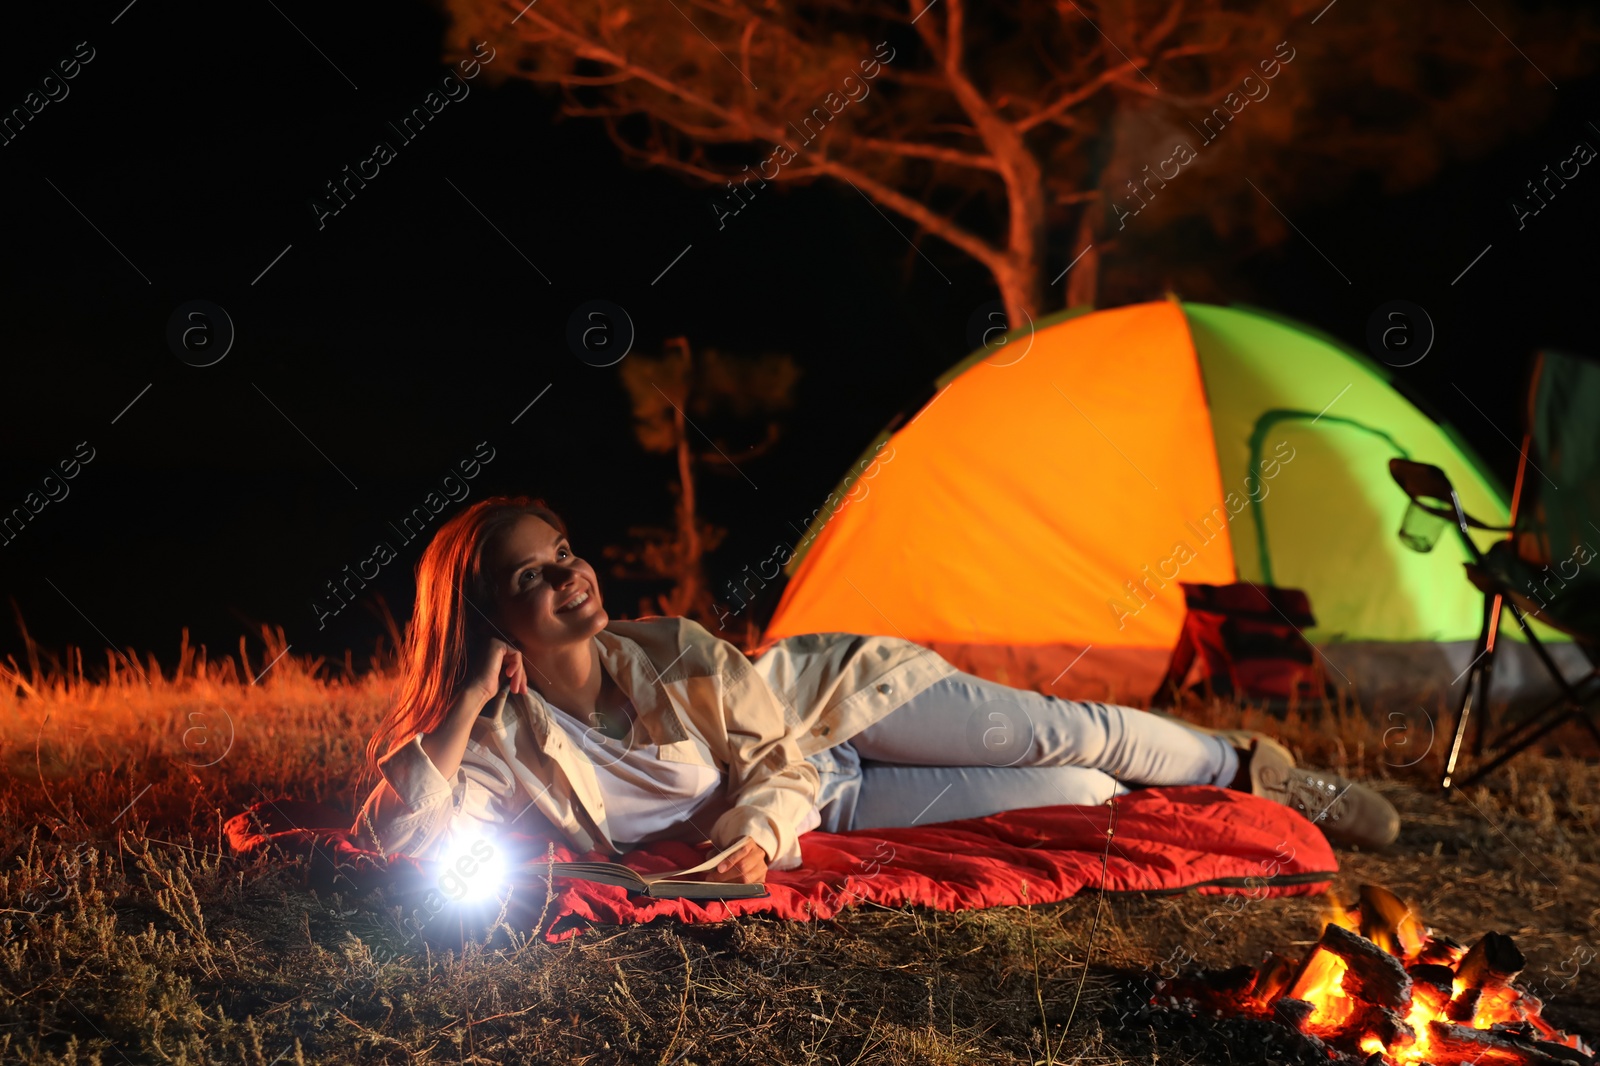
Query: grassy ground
(129,934)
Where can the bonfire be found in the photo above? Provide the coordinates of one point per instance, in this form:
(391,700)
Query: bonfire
(1380,987)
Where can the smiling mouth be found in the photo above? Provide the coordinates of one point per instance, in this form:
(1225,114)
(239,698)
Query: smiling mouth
(577,601)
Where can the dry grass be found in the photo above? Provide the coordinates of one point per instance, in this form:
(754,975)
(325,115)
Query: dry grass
(129,934)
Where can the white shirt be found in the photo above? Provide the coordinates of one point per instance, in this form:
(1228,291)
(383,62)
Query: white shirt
(644,793)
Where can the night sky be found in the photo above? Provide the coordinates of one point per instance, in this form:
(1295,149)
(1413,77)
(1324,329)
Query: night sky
(375,353)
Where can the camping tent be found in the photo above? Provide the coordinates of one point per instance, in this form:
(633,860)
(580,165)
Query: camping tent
(1032,520)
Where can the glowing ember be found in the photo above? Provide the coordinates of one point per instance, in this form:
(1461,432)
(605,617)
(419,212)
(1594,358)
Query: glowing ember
(1380,983)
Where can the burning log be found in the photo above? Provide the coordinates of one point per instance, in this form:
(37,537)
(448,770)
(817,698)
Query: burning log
(1495,1046)
(1295,1013)
(1493,961)
(1272,978)
(1441,950)
(1387,1025)
(1484,976)
(1432,985)
(1393,1030)
(1371,973)
(1464,1007)
(1530,1009)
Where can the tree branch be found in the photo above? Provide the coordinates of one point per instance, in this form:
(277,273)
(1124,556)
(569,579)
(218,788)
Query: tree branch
(945,228)
(1168,23)
(929,151)
(914,77)
(575,79)
(586,48)
(1069,100)
(1078,197)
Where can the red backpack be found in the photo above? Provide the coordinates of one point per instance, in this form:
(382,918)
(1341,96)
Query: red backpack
(1247,642)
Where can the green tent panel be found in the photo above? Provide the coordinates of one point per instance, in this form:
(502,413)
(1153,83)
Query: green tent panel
(1279,388)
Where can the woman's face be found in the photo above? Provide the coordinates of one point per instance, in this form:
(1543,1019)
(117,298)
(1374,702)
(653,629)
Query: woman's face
(547,596)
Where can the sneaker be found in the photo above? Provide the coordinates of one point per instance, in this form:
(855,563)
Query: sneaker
(1347,813)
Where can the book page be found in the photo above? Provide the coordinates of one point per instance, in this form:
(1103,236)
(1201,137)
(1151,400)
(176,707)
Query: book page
(709,864)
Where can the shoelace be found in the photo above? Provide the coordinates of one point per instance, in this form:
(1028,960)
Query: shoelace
(1321,799)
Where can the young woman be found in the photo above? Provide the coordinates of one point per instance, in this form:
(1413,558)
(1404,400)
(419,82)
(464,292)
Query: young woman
(520,696)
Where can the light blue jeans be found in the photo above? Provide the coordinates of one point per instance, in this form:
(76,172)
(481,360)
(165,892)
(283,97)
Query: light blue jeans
(966,747)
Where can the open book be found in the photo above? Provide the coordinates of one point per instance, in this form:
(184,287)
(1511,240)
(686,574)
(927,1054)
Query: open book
(673,884)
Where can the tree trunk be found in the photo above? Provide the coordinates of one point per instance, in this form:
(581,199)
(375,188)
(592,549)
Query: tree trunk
(1083,280)
(1021,306)
(689,581)
(1018,272)
(1021,286)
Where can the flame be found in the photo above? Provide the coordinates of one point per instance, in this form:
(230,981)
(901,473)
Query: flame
(1413,937)
(1340,915)
(1321,984)
(1418,1018)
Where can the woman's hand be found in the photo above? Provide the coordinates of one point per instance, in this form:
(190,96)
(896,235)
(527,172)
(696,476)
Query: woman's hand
(499,661)
(446,745)
(747,866)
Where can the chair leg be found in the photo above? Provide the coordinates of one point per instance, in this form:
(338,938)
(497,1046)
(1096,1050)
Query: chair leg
(1463,712)
(1517,736)
(1481,650)
(1485,724)
(1574,710)
(1569,691)
(1530,731)
(1493,605)
(1544,655)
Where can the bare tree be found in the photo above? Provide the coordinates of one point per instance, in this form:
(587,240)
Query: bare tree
(1027,133)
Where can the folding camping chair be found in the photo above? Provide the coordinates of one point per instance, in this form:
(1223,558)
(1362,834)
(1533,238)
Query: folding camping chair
(1547,567)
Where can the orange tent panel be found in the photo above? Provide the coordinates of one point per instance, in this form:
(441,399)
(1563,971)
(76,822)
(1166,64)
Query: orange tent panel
(995,515)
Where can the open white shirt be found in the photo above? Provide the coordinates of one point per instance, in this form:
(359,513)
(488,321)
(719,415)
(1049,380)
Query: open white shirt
(644,793)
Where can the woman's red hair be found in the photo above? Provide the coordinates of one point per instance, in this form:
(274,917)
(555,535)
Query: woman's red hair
(451,621)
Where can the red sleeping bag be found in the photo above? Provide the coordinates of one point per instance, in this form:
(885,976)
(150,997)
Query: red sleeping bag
(1160,840)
